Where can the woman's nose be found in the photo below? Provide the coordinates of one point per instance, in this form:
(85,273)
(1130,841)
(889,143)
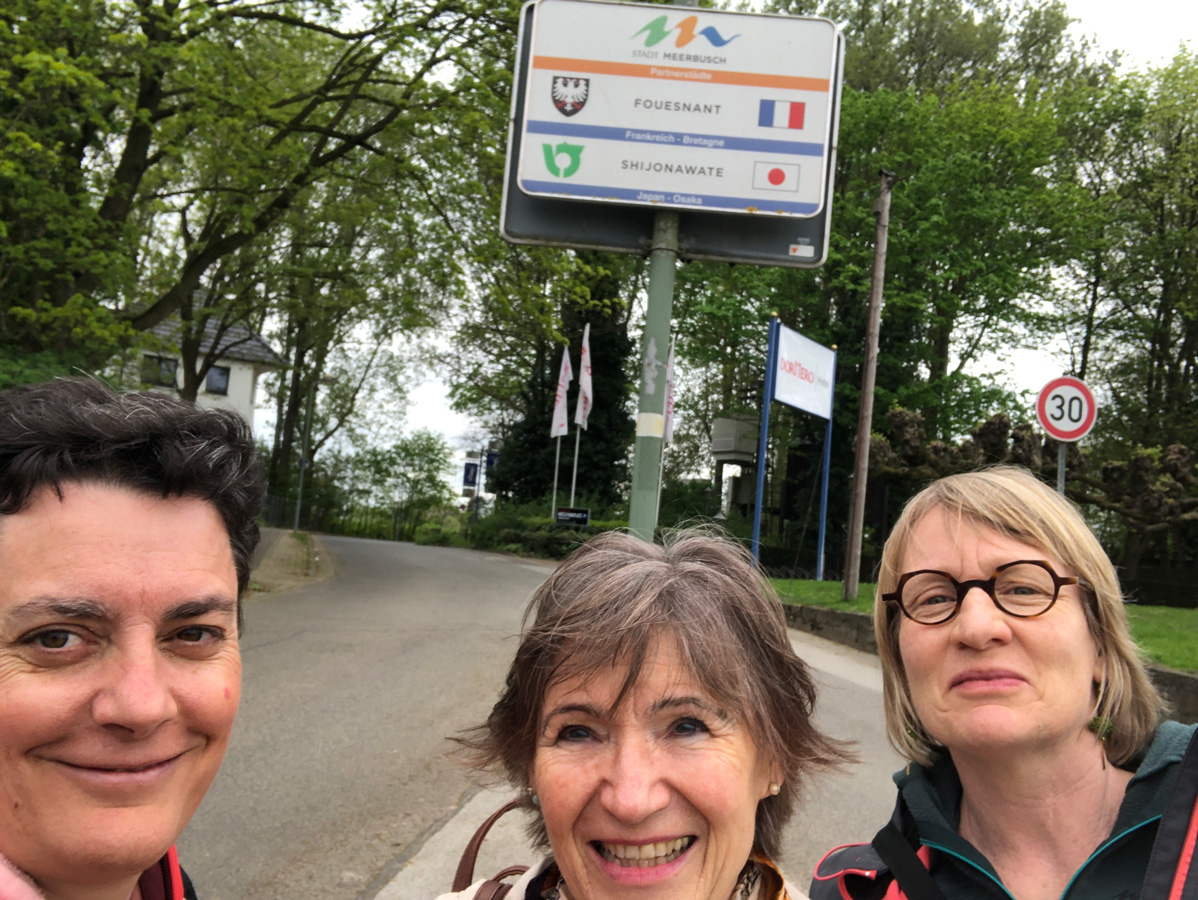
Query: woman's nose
(135,695)
(980,622)
(635,787)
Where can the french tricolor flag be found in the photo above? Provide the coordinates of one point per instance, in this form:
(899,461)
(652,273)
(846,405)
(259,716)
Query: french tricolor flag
(780,114)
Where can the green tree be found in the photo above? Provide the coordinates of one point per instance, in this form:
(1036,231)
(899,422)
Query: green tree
(146,142)
(421,464)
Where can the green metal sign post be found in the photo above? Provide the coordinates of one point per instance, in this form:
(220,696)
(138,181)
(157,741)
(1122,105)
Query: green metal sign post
(646,459)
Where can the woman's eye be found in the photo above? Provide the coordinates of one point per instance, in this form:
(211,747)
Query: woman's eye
(55,640)
(197,633)
(574,733)
(935,599)
(687,727)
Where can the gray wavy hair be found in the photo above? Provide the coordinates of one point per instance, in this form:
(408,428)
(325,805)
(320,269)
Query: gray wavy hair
(613,599)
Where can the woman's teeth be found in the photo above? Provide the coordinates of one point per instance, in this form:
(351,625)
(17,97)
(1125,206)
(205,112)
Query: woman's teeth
(645,855)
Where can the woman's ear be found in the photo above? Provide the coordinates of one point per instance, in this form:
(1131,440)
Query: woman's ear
(771,780)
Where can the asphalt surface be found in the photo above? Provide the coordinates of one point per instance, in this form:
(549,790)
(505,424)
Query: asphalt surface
(338,758)
(338,783)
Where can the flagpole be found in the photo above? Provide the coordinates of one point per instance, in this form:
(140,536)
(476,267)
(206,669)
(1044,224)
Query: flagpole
(561,423)
(585,398)
(771,375)
(557,464)
(574,477)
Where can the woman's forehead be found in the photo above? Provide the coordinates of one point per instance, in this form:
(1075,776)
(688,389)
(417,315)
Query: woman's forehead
(662,671)
(944,536)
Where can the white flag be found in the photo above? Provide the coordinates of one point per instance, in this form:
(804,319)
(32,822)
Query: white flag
(586,393)
(667,431)
(561,417)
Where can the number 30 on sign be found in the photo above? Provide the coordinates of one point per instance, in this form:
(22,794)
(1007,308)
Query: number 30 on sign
(1066,409)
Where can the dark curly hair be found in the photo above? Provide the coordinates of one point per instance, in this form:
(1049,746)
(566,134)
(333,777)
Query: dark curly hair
(78,430)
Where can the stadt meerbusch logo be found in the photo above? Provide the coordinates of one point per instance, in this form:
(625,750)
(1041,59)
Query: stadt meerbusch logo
(659,29)
(570,94)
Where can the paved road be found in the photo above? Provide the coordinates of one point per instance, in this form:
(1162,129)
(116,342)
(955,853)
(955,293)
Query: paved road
(350,687)
(337,786)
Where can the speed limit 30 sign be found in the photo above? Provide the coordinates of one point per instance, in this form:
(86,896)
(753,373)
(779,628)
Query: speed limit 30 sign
(1066,409)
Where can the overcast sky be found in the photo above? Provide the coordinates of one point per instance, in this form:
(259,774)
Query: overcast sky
(1147,31)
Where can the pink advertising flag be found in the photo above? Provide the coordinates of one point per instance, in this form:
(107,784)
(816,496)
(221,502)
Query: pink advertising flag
(586,394)
(561,417)
(667,431)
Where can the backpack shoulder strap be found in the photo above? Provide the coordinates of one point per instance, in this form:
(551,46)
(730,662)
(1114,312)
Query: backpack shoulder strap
(905,865)
(1173,865)
(464,876)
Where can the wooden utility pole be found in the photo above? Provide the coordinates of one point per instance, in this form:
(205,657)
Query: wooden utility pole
(852,562)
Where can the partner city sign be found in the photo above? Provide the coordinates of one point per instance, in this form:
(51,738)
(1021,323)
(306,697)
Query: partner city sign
(806,373)
(643,105)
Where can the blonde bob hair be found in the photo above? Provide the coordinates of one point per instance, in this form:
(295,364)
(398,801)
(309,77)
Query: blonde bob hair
(1012,502)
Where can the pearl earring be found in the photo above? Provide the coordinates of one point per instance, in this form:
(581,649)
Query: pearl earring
(774,788)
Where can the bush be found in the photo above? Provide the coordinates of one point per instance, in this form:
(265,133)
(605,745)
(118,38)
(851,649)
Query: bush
(528,531)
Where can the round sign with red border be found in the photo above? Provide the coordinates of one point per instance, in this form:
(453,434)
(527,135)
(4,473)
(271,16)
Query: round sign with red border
(1066,409)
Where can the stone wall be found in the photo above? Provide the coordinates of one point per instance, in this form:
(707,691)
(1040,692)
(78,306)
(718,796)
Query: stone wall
(857,630)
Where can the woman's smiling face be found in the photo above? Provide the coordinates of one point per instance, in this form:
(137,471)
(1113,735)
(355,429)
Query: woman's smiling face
(654,798)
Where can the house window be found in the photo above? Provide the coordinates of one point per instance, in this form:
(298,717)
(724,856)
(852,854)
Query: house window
(218,380)
(159,370)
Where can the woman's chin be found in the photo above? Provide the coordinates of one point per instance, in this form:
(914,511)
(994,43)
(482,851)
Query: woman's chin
(992,728)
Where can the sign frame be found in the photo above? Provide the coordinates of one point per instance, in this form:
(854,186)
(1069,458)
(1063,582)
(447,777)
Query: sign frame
(726,108)
(1082,393)
(758,239)
(816,400)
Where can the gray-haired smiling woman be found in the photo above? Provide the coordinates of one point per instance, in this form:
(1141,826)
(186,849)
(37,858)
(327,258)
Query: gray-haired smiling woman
(658,723)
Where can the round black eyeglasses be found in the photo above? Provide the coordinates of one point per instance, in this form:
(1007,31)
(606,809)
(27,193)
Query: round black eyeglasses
(1024,588)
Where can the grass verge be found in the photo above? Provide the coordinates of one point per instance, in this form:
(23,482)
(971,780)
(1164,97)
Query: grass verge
(824,593)
(1167,635)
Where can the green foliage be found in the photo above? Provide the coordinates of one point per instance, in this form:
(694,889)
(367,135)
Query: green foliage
(824,593)
(1166,635)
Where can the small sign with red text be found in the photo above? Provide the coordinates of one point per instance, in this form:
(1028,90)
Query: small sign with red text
(806,373)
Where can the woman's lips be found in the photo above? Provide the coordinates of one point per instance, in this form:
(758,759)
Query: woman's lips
(641,863)
(986,680)
(119,774)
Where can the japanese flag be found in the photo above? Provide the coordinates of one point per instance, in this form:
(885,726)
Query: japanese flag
(561,417)
(585,393)
(667,431)
(769,176)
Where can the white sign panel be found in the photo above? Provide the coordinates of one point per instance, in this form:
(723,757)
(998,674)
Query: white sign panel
(806,373)
(679,107)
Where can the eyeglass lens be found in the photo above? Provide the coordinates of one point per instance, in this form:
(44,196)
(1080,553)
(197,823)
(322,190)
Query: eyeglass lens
(1023,590)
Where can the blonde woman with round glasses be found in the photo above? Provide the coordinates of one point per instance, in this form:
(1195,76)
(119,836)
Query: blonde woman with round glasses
(1039,763)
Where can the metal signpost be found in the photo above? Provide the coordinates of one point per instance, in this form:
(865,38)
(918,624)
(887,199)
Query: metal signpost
(678,133)
(802,374)
(1066,409)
